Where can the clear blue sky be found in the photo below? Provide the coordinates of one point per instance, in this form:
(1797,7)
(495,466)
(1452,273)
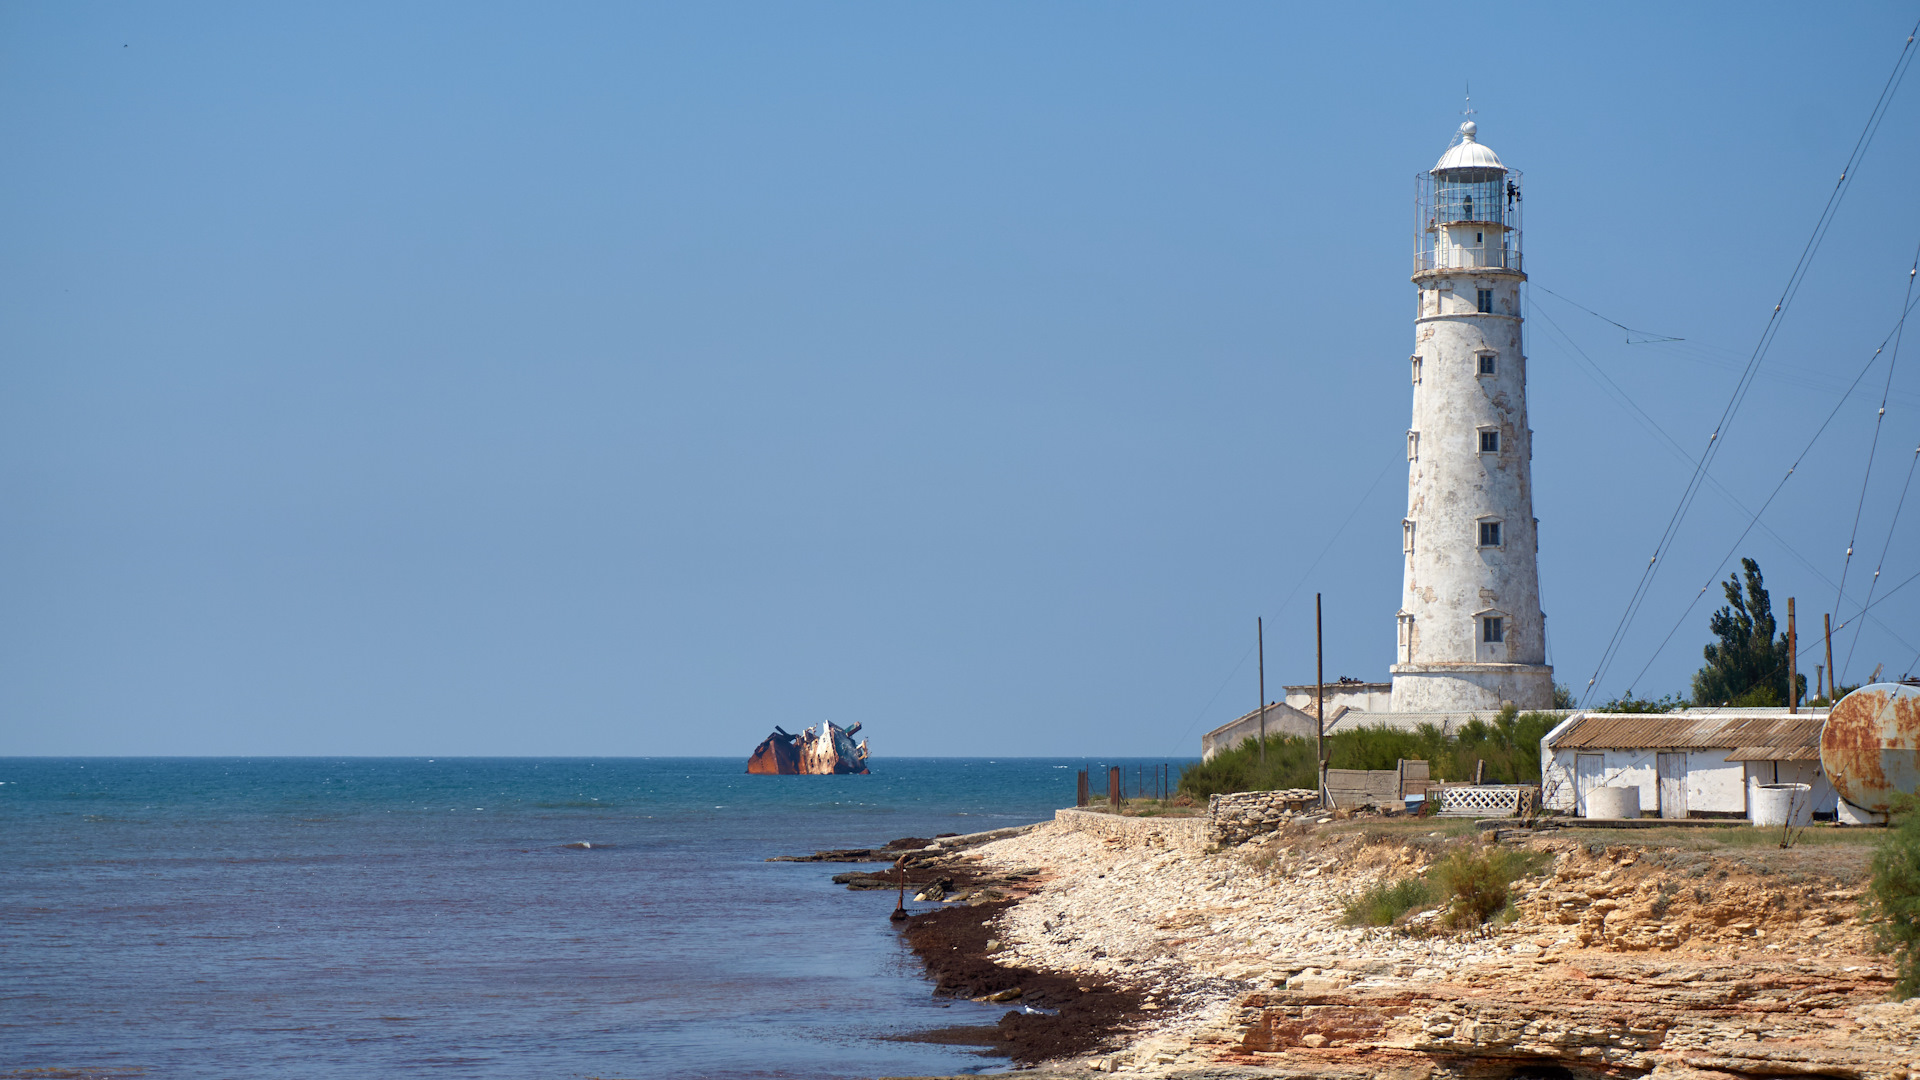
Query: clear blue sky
(623,379)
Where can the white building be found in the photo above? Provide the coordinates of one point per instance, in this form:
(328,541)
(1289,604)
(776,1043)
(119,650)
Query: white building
(1471,633)
(1689,763)
(1295,716)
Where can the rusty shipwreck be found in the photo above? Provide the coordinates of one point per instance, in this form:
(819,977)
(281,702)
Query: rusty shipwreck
(824,752)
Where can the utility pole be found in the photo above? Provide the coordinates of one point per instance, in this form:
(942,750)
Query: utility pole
(1793,664)
(1832,675)
(1260,636)
(1319,691)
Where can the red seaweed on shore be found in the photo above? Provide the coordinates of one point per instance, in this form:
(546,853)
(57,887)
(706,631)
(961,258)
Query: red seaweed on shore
(952,943)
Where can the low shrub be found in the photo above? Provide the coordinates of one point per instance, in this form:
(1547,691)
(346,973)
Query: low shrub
(1476,884)
(1473,885)
(1382,904)
(1894,896)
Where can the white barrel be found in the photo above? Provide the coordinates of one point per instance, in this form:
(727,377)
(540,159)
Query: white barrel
(1613,802)
(1782,804)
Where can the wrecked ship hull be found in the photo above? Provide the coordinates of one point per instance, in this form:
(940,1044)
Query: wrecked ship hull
(778,754)
(826,752)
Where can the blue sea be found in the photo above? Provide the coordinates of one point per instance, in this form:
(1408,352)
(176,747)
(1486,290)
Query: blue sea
(313,917)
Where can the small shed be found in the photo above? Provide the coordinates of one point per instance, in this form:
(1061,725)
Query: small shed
(1688,763)
(1281,719)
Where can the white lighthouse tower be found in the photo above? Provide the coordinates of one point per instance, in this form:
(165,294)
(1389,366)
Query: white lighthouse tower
(1471,634)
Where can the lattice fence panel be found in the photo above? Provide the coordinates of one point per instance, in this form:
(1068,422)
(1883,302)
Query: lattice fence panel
(1503,800)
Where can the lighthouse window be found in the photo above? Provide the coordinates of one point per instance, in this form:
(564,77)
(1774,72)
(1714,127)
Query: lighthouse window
(1493,629)
(1406,535)
(1479,238)
(1486,301)
(1490,442)
(1489,534)
(1416,371)
(1487,364)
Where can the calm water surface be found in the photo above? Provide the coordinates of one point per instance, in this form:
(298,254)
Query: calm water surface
(332,918)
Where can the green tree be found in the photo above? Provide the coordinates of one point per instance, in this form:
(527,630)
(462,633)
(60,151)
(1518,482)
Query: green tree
(1748,665)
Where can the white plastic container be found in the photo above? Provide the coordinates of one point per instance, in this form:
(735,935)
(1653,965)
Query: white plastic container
(1613,802)
(1782,804)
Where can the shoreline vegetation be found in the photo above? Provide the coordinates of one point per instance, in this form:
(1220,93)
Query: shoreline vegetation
(1509,744)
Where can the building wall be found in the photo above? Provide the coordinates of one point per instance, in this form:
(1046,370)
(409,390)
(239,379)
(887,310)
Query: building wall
(1450,580)
(1366,697)
(1620,768)
(1714,784)
(1449,723)
(1281,720)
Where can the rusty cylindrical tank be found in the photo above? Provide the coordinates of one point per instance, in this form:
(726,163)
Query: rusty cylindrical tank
(1870,745)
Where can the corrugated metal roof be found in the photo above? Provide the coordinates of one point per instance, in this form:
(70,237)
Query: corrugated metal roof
(1772,730)
(1774,753)
(1468,154)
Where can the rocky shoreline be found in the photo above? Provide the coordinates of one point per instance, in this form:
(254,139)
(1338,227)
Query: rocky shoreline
(1688,960)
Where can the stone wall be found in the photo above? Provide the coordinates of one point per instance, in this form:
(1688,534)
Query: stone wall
(1189,833)
(1243,815)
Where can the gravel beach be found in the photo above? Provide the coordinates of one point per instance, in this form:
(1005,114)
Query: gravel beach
(1234,962)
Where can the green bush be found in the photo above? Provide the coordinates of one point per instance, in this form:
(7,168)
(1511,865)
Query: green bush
(1895,896)
(1474,885)
(1509,744)
(1382,904)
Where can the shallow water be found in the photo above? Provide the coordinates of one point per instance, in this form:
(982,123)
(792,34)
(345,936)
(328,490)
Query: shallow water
(353,917)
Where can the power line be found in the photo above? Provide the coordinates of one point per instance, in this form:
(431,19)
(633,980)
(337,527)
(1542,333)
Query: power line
(1879,419)
(1647,337)
(1745,383)
(1594,371)
(1775,493)
(1875,580)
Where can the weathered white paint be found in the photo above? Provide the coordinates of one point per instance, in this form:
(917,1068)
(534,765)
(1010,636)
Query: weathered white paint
(1366,697)
(1559,785)
(1452,582)
(1713,784)
(1448,723)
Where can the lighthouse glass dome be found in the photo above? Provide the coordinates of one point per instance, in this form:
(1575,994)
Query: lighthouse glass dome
(1467,209)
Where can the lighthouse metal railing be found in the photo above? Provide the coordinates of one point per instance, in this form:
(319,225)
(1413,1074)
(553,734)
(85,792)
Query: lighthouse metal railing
(1462,257)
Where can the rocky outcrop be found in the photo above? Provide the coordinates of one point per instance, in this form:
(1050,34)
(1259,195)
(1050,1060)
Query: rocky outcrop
(1603,1016)
(1618,961)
